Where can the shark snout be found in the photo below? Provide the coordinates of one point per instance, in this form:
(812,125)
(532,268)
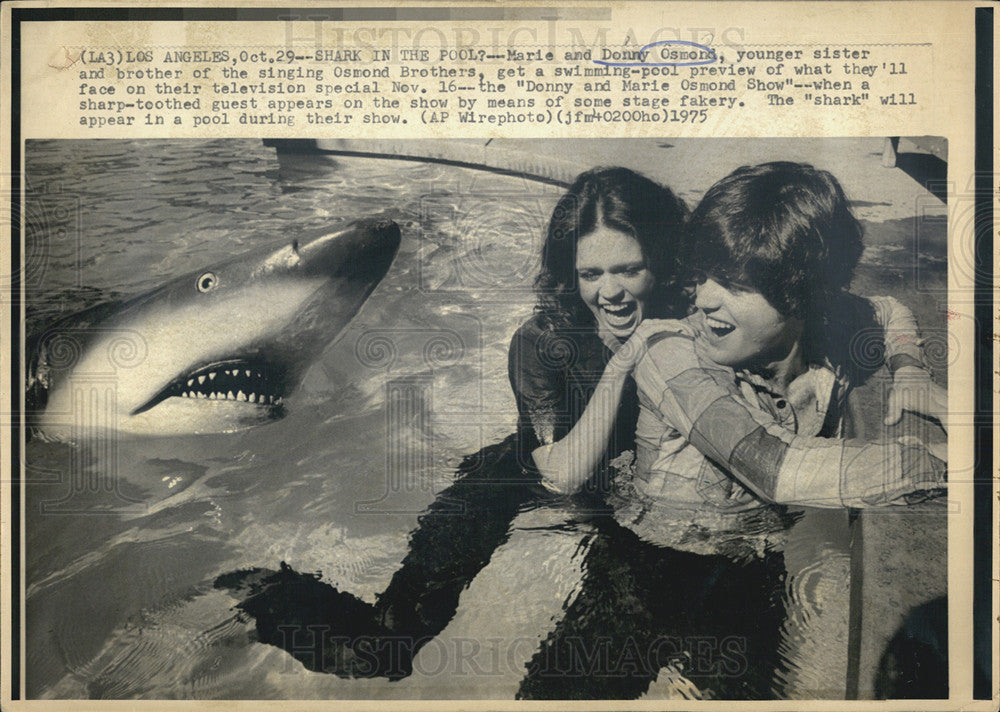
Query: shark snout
(223,345)
(365,247)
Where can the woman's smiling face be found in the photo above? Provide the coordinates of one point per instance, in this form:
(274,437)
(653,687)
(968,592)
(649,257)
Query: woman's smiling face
(614,281)
(739,327)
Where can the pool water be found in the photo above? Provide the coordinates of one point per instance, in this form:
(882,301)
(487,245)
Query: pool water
(125,540)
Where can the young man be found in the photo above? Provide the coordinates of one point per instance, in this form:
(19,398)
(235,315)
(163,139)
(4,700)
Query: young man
(751,408)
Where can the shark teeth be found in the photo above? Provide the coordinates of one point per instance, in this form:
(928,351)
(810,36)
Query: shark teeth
(237,381)
(240,396)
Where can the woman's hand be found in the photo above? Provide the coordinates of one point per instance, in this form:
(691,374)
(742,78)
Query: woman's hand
(567,463)
(913,390)
(644,336)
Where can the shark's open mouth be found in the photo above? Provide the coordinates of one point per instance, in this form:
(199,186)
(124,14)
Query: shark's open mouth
(253,382)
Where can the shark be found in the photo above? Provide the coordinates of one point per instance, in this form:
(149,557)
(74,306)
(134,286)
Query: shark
(215,350)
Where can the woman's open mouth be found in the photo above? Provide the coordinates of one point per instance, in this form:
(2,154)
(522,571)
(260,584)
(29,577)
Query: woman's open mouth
(620,316)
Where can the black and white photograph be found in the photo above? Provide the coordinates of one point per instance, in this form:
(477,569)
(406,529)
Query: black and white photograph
(499,419)
(499,355)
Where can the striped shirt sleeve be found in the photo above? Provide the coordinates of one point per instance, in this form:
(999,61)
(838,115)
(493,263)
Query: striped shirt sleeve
(702,401)
(902,338)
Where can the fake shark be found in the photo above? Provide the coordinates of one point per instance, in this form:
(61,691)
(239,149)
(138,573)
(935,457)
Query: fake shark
(213,351)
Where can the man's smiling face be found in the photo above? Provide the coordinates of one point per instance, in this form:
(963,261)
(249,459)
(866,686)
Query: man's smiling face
(740,328)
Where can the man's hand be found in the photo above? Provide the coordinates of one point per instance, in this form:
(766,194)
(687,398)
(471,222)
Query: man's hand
(913,390)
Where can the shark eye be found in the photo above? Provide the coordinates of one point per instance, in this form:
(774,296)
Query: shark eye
(207,282)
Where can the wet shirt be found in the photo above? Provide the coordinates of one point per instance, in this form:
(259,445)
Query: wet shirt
(711,438)
(553,374)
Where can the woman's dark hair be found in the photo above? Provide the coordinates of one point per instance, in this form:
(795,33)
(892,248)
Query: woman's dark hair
(783,229)
(622,200)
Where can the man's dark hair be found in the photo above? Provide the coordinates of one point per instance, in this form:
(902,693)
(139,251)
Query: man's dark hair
(783,229)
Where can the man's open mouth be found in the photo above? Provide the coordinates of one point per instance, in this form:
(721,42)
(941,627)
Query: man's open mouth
(718,327)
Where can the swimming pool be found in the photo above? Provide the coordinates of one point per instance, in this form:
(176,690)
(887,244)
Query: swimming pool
(124,543)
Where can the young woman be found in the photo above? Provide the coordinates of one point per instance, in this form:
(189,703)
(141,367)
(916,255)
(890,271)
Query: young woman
(609,280)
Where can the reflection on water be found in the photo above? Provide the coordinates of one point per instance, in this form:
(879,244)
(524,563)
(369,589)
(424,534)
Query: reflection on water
(126,544)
